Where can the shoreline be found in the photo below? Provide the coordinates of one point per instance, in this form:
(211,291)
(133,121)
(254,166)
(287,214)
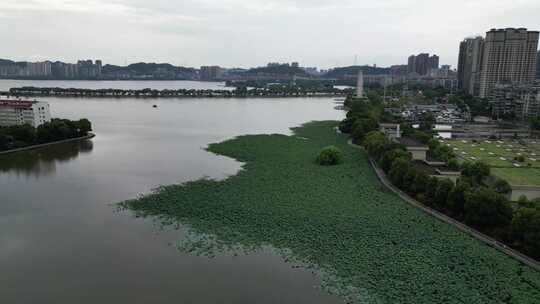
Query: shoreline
(33,147)
(339,220)
(448,220)
(326,95)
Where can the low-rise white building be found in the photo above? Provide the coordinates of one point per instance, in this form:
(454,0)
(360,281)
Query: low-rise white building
(20,112)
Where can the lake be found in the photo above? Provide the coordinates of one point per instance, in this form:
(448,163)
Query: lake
(61,240)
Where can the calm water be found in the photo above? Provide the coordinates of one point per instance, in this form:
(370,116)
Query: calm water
(62,242)
(6,84)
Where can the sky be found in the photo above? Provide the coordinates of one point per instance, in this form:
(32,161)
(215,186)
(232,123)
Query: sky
(248,33)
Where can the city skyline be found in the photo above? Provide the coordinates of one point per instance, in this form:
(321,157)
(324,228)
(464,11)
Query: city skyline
(247,34)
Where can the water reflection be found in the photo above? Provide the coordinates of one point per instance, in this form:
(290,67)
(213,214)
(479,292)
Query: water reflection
(42,162)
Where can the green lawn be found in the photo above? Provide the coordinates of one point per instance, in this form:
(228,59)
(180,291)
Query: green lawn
(519,176)
(500,156)
(366,243)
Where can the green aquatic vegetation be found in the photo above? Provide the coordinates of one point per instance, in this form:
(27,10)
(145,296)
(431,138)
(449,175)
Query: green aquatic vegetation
(367,244)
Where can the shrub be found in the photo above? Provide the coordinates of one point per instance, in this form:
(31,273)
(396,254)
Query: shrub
(329,156)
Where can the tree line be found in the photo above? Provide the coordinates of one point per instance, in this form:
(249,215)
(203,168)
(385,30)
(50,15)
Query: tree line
(20,136)
(270,91)
(476,198)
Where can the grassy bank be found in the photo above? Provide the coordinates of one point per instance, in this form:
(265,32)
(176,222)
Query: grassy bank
(368,244)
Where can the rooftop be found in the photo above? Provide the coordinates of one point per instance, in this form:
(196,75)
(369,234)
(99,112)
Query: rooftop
(13,103)
(410,142)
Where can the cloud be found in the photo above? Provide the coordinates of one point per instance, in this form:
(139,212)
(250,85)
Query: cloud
(252,32)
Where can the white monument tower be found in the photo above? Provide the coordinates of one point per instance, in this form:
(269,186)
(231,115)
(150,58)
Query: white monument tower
(360,85)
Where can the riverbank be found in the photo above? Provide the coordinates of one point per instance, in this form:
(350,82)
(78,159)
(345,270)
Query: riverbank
(367,244)
(443,217)
(32,147)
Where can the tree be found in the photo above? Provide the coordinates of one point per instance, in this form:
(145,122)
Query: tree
(428,120)
(85,126)
(409,178)
(389,156)
(25,133)
(444,188)
(397,172)
(433,144)
(431,189)
(345,126)
(358,132)
(535,123)
(420,183)
(526,230)
(422,137)
(375,143)
(329,156)
(443,153)
(457,197)
(477,170)
(453,164)
(502,186)
(5,141)
(487,209)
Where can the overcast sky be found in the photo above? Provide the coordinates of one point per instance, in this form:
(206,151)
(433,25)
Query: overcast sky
(246,33)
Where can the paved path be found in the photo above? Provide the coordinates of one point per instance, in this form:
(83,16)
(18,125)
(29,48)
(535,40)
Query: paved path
(472,232)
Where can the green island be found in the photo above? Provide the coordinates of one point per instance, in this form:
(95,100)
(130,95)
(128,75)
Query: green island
(368,245)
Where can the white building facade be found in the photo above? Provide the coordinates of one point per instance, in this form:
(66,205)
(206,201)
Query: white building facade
(20,112)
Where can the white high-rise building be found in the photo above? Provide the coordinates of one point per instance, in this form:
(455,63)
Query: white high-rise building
(509,58)
(360,85)
(20,112)
(471,51)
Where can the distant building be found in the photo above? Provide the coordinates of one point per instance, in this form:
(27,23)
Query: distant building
(471,51)
(442,72)
(417,149)
(88,69)
(411,64)
(311,70)
(433,62)
(209,73)
(538,65)
(509,57)
(20,112)
(391,130)
(516,101)
(295,64)
(399,70)
(422,63)
(38,69)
